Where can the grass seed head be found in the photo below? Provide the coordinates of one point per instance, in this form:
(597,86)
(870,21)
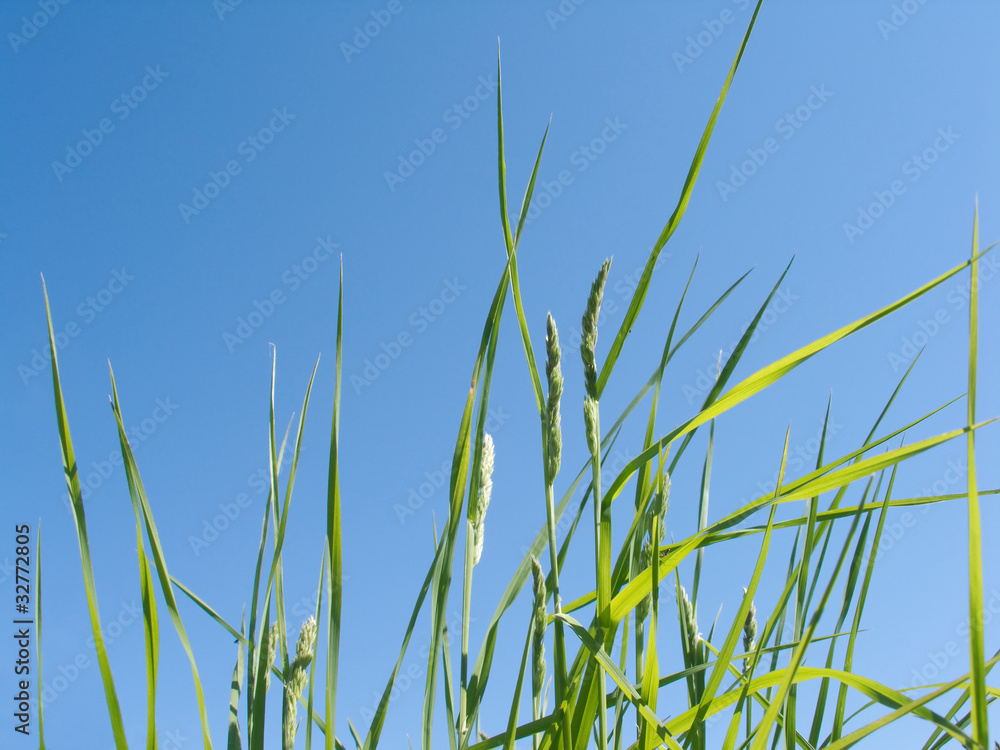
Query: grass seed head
(590,419)
(553,371)
(588,342)
(485,491)
(750,628)
(272,648)
(538,633)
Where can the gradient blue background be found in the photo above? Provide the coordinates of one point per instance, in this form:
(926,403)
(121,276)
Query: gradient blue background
(356,115)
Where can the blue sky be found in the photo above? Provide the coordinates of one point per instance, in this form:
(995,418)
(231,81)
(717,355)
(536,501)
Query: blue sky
(187,177)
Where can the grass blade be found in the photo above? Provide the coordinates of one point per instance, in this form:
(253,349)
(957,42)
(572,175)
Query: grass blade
(80,521)
(334,583)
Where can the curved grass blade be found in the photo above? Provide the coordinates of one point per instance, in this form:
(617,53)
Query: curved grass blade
(80,521)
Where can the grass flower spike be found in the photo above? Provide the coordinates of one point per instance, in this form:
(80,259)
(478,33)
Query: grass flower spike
(553,372)
(296,680)
(588,344)
(485,490)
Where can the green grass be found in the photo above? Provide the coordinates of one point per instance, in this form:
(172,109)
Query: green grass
(602,694)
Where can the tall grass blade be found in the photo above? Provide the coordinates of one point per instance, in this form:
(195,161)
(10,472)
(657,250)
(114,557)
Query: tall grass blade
(977,680)
(234,741)
(312,665)
(334,582)
(80,521)
(138,494)
(642,287)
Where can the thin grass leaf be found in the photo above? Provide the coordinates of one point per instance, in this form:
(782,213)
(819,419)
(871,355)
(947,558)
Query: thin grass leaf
(511,732)
(980,719)
(639,296)
(234,741)
(80,522)
(335,581)
(138,495)
(312,665)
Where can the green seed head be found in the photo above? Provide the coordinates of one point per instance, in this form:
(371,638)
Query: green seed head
(485,491)
(538,632)
(588,343)
(750,628)
(590,420)
(553,427)
(272,648)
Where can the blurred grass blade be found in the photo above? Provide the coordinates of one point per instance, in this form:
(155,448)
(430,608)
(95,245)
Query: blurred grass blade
(639,296)
(80,521)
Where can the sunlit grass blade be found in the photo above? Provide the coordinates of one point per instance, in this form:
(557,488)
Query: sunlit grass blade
(80,522)
(335,580)
(624,684)
(642,287)
(977,680)
(516,700)
(151,631)
(139,498)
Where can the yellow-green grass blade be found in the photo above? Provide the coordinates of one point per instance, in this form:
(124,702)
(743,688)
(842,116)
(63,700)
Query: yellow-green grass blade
(872,689)
(931,744)
(764,728)
(772,373)
(841,706)
(38,631)
(624,684)
(642,287)
(151,631)
(312,664)
(651,668)
(80,521)
(234,741)
(515,702)
(980,719)
(905,710)
(256,716)
(335,580)
(725,657)
(138,494)
(527,729)
(449,692)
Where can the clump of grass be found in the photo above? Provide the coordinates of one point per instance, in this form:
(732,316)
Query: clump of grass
(593,628)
